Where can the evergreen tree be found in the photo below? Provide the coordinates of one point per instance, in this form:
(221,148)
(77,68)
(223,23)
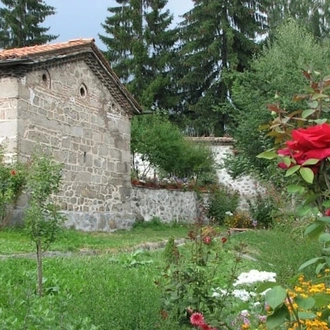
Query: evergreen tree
(216,36)
(313,15)
(139,41)
(20,22)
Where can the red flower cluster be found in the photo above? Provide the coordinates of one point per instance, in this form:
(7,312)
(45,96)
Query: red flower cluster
(207,240)
(197,319)
(308,143)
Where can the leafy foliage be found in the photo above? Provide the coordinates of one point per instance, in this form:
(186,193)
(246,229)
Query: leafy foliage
(163,145)
(263,210)
(224,199)
(21,23)
(238,219)
(12,182)
(301,142)
(187,279)
(274,77)
(42,219)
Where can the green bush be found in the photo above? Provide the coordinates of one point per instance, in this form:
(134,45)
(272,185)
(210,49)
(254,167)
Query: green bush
(264,210)
(166,148)
(224,199)
(12,182)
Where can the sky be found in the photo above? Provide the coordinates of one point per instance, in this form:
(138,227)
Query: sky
(82,18)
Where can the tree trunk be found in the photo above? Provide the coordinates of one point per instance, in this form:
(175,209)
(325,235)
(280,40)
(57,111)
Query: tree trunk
(39,266)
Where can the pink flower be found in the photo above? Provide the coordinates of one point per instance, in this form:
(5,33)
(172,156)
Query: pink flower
(327,213)
(197,319)
(207,240)
(204,326)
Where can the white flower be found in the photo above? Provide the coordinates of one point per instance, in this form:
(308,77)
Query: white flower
(229,213)
(254,276)
(243,295)
(245,313)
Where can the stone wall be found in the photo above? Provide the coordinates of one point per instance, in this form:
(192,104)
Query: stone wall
(67,110)
(8,114)
(168,205)
(247,186)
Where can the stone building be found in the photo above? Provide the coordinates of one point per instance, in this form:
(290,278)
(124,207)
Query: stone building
(66,98)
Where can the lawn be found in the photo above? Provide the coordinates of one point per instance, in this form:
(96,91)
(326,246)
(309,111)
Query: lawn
(117,290)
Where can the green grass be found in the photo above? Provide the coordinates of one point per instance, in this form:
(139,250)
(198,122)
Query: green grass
(279,251)
(115,290)
(15,240)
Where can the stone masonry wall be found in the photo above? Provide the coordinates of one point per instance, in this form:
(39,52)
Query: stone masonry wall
(67,110)
(168,205)
(247,186)
(8,114)
(176,205)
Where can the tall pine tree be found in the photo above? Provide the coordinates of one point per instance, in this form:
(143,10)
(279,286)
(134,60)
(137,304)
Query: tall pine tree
(311,14)
(139,44)
(216,36)
(20,23)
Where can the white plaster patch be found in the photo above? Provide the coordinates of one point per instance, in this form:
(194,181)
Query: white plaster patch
(32,95)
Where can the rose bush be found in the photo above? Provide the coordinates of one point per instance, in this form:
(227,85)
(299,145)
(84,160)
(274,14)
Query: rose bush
(302,142)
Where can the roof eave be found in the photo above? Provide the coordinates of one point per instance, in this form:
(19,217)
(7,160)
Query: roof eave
(106,66)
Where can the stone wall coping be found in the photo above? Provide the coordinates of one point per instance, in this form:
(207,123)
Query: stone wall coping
(213,140)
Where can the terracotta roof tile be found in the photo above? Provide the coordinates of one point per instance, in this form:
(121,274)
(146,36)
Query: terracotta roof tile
(16,53)
(51,51)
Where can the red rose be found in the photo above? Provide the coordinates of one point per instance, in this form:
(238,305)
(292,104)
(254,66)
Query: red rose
(197,319)
(313,141)
(307,143)
(207,240)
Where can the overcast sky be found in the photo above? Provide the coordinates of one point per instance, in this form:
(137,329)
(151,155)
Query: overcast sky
(82,18)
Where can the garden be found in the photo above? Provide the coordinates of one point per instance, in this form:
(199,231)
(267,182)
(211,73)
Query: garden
(116,281)
(272,272)
(156,275)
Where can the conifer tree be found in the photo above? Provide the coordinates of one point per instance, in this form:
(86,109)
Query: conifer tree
(313,15)
(20,23)
(139,41)
(216,36)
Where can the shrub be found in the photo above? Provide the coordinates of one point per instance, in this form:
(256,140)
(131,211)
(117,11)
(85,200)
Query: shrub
(165,147)
(224,199)
(12,182)
(239,220)
(263,209)
(191,274)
